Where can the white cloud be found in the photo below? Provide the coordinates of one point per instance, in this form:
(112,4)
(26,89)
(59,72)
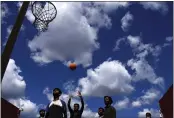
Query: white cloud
(134,41)
(169,39)
(30,109)
(87,113)
(69,86)
(136,103)
(9,29)
(140,49)
(111,6)
(72,36)
(149,97)
(63,43)
(143,71)
(122,104)
(118,42)
(29,13)
(155,113)
(109,78)
(4,11)
(12,80)
(13,90)
(126,21)
(156,6)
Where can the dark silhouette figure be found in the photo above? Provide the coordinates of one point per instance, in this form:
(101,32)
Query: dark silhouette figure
(57,108)
(76,113)
(42,113)
(110,111)
(101,112)
(148,115)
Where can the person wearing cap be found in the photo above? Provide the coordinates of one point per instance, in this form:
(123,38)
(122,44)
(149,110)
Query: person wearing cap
(57,108)
(42,113)
(148,115)
(110,111)
(101,112)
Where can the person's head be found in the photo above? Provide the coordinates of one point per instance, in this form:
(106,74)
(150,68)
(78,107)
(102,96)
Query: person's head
(57,92)
(108,100)
(101,111)
(76,107)
(148,115)
(42,112)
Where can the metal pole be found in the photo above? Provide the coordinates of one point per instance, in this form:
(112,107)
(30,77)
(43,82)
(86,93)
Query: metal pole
(5,57)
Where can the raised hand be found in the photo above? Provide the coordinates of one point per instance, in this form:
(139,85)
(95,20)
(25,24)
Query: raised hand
(70,96)
(79,93)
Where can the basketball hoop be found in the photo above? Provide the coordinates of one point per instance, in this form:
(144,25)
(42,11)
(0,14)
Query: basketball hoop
(44,13)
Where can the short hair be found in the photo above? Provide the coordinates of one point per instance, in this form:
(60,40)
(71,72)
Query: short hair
(42,110)
(76,104)
(101,108)
(58,90)
(110,99)
(148,114)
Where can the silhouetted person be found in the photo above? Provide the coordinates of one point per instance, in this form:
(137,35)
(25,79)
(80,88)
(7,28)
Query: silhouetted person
(148,115)
(42,113)
(110,111)
(76,113)
(57,108)
(101,112)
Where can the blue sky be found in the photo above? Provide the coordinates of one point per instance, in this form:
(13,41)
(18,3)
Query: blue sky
(122,49)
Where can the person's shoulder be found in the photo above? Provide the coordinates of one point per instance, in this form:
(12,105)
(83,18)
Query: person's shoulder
(113,108)
(62,101)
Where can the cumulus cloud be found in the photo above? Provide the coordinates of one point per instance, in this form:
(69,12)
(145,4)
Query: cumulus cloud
(109,78)
(155,113)
(13,90)
(122,104)
(140,65)
(72,36)
(156,6)
(30,109)
(111,6)
(149,97)
(136,103)
(12,80)
(143,71)
(126,21)
(140,50)
(87,113)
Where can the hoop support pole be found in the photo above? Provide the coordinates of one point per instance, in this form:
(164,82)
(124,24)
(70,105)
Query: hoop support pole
(5,57)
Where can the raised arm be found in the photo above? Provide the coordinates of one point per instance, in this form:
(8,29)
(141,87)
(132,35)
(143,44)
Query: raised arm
(82,102)
(69,105)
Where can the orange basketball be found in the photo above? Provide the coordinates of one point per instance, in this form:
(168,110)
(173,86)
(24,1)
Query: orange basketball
(72,66)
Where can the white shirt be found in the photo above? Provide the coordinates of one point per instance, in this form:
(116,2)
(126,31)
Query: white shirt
(57,102)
